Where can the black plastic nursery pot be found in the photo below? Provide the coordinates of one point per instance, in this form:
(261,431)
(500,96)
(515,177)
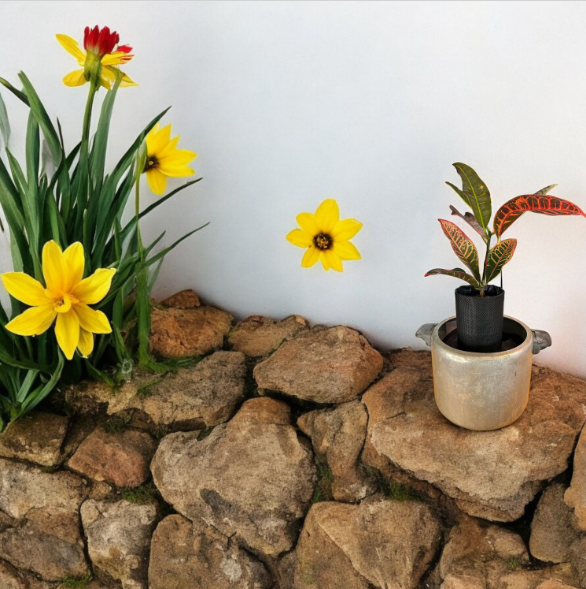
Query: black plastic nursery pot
(480,319)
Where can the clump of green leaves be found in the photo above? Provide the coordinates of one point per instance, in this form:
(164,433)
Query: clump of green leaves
(81,583)
(144,494)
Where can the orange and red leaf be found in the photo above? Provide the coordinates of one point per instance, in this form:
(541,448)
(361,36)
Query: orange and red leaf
(545,204)
(498,256)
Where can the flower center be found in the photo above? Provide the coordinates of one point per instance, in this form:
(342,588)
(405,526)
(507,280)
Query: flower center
(323,241)
(63,305)
(151,163)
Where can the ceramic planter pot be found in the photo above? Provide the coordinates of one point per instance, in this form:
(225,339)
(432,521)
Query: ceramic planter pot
(482,391)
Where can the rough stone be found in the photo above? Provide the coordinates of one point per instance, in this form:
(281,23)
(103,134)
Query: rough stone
(576,494)
(122,458)
(184,299)
(553,529)
(254,478)
(478,555)
(11,578)
(195,397)
(330,365)
(380,543)
(24,488)
(47,543)
(190,554)
(338,436)
(494,474)
(118,539)
(37,437)
(258,336)
(181,333)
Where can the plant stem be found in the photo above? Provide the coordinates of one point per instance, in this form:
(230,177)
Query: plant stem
(483,283)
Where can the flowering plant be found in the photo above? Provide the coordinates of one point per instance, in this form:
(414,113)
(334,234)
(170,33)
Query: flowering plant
(69,244)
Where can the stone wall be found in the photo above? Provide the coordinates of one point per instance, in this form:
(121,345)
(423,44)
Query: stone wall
(289,457)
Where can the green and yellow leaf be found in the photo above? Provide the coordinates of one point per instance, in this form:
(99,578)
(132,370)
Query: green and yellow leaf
(474,193)
(456,273)
(463,247)
(498,256)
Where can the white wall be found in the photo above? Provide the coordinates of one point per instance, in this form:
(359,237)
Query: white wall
(289,103)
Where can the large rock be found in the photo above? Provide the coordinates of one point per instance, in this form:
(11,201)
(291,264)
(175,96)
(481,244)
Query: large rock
(37,437)
(258,336)
(492,475)
(118,539)
(379,543)
(481,556)
(576,494)
(190,554)
(11,578)
(122,458)
(553,529)
(338,436)
(330,365)
(181,333)
(40,532)
(196,397)
(251,478)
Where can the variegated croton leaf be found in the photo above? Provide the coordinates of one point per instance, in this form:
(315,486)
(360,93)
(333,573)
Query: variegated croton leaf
(463,247)
(498,256)
(456,273)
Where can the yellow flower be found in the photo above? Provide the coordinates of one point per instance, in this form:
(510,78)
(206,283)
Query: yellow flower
(326,237)
(164,159)
(102,55)
(66,297)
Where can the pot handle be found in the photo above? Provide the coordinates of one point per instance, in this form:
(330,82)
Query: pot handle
(425,331)
(541,340)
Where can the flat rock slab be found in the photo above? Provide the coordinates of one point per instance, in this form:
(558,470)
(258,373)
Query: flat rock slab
(251,479)
(190,554)
(576,495)
(258,336)
(195,397)
(331,365)
(481,556)
(492,475)
(182,333)
(122,458)
(118,539)
(12,578)
(337,436)
(380,543)
(37,437)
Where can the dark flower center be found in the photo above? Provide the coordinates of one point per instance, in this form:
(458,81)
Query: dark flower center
(152,162)
(323,241)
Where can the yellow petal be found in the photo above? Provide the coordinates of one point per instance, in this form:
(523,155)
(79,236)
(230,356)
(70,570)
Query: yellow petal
(86,342)
(157,181)
(25,289)
(346,250)
(327,215)
(72,46)
(67,332)
(176,157)
(310,257)
(55,269)
(158,139)
(324,263)
(307,223)
(299,238)
(75,78)
(126,82)
(33,321)
(108,77)
(175,171)
(346,229)
(75,261)
(94,288)
(116,58)
(92,320)
(333,261)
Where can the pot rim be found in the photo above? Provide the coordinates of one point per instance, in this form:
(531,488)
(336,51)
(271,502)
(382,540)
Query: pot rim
(520,349)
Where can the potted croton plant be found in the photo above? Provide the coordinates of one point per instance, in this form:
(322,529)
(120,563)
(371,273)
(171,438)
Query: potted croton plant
(479,304)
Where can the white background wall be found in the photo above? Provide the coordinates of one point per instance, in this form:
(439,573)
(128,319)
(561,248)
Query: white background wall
(370,103)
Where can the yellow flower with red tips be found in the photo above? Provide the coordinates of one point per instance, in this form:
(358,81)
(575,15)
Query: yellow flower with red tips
(164,159)
(326,237)
(65,298)
(101,56)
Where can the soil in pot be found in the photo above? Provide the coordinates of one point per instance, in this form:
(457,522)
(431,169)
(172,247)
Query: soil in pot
(480,319)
